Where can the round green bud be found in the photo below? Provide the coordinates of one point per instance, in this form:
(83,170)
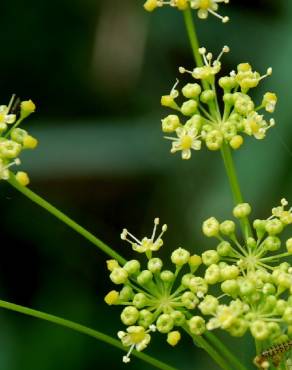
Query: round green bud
(209,305)
(191,91)
(274,227)
(229,130)
(180,257)
(3,127)
(185,280)
(189,300)
(272,243)
(198,285)
(144,277)
(170,123)
(270,302)
(207,96)
(211,227)
(287,316)
(167,276)
(251,243)
(194,262)
(284,280)
(259,330)
(247,287)
(164,323)
(194,122)
(119,276)
(189,107)
(214,140)
(178,318)
(212,274)
(155,265)
(140,300)
(210,257)
(241,210)
(129,315)
(227,83)
(229,272)
(274,329)
(281,339)
(224,249)
(18,135)
(238,328)
(173,338)
(269,289)
(132,267)
(126,293)
(259,225)
(243,106)
(284,266)
(9,149)
(227,227)
(281,306)
(289,245)
(230,287)
(145,318)
(228,99)
(197,325)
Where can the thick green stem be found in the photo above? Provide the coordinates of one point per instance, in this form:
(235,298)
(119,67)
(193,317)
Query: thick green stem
(191,30)
(235,188)
(224,351)
(68,221)
(84,330)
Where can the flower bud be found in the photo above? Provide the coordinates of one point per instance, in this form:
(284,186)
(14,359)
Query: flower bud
(209,305)
(272,243)
(211,227)
(140,300)
(151,5)
(189,300)
(178,318)
(132,267)
(227,227)
(119,276)
(23,178)
(238,328)
(259,330)
(189,107)
(126,293)
(214,140)
(145,318)
(173,338)
(164,323)
(207,96)
(191,91)
(224,249)
(212,274)
(289,245)
(236,142)
(27,107)
(155,265)
(197,325)
(210,257)
(241,210)
(287,316)
(112,297)
(144,277)
(269,102)
(274,227)
(170,123)
(230,287)
(29,142)
(112,264)
(167,276)
(180,257)
(129,315)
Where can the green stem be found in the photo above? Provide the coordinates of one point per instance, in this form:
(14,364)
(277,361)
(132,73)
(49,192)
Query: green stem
(223,350)
(191,30)
(235,188)
(84,330)
(68,221)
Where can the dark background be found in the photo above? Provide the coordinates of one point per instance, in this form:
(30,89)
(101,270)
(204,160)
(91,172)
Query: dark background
(96,70)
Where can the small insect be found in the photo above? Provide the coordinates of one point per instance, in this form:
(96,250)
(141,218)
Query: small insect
(275,354)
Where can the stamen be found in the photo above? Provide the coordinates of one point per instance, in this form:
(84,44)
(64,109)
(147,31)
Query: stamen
(225,49)
(156,222)
(184,70)
(223,19)
(174,92)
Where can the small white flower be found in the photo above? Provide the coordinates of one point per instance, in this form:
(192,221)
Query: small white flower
(187,139)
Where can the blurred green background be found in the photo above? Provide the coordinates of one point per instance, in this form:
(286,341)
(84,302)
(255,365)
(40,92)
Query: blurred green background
(96,70)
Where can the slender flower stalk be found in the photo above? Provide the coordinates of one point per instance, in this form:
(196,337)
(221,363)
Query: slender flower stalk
(67,220)
(84,330)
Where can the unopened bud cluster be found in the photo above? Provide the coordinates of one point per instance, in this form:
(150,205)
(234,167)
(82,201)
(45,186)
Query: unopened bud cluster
(13,140)
(203,118)
(203,7)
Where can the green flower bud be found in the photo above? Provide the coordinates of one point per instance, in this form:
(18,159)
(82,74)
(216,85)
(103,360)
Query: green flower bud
(119,276)
(9,149)
(164,323)
(274,329)
(155,265)
(167,276)
(230,287)
(173,338)
(194,262)
(229,272)
(199,286)
(227,83)
(27,107)
(214,140)
(269,289)
(270,303)
(289,245)
(224,249)
(18,134)
(145,318)
(284,280)
(132,267)
(197,325)
(211,227)
(247,287)
(191,91)
(228,99)
(229,130)
(210,257)
(178,318)
(144,277)
(126,293)
(129,315)
(281,306)
(259,330)
(207,96)
(140,300)
(180,257)
(241,210)
(209,305)
(243,106)
(272,243)
(212,274)
(185,280)
(238,328)
(251,243)
(274,227)
(189,300)
(170,123)
(281,339)
(287,316)
(227,227)
(189,107)
(194,122)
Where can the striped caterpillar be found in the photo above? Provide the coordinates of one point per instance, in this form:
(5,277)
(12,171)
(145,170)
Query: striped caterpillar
(275,354)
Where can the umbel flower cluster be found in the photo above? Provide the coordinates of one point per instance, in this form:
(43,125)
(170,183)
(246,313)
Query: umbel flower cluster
(204,117)
(203,7)
(13,140)
(255,290)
